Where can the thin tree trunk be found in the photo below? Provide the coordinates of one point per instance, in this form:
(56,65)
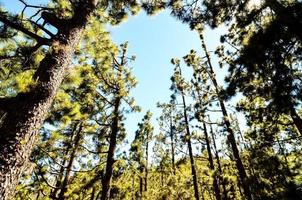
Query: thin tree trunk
(188,139)
(146,164)
(141,186)
(25,113)
(66,179)
(133,188)
(231,137)
(93,193)
(172,147)
(106,182)
(59,180)
(211,163)
(225,192)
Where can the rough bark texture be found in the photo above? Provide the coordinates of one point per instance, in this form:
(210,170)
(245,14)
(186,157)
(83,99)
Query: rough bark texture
(110,157)
(24,114)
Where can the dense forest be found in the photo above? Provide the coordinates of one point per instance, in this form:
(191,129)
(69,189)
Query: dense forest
(66,92)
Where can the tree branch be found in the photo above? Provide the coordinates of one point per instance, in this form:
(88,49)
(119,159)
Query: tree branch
(19,27)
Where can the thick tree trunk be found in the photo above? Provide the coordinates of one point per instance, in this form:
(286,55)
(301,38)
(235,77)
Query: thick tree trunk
(24,114)
(110,157)
(66,179)
(231,137)
(211,163)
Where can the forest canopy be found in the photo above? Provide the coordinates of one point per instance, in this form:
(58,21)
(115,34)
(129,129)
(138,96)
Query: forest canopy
(66,94)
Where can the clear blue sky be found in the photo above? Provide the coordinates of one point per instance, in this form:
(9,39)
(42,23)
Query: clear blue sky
(154,40)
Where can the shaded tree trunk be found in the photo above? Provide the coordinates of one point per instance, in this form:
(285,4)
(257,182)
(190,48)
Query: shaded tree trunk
(25,113)
(172,147)
(106,182)
(296,119)
(211,163)
(141,184)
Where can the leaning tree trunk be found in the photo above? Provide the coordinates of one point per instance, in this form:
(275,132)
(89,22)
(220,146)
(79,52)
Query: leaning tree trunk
(25,113)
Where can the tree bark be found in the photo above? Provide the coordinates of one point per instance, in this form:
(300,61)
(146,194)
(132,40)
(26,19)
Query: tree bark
(106,182)
(25,113)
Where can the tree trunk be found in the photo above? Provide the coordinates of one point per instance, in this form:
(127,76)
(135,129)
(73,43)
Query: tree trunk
(296,119)
(188,140)
(66,179)
(146,164)
(141,186)
(172,147)
(59,179)
(225,192)
(25,113)
(106,182)
(211,163)
(231,137)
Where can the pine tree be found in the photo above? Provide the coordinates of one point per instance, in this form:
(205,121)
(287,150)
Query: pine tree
(23,114)
(140,151)
(179,86)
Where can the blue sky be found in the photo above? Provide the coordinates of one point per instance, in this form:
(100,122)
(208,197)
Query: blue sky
(154,40)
